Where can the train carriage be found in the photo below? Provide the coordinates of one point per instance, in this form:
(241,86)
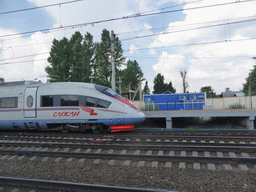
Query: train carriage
(65,105)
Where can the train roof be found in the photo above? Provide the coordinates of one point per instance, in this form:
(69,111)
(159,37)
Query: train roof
(38,83)
(18,83)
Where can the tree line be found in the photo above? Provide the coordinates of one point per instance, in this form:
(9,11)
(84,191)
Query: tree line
(81,59)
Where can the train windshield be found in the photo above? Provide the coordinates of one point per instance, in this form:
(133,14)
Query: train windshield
(107,91)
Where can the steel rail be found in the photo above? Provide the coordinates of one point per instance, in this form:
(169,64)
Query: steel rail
(165,158)
(142,137)
(187,136)
(129,142)
(193,146)
(68,186)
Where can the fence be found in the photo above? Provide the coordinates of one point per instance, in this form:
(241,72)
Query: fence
(225,102)
(222,103)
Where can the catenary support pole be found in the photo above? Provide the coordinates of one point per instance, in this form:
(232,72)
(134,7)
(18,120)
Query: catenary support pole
(113,79)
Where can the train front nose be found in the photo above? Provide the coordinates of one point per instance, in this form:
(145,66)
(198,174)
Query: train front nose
(138,117)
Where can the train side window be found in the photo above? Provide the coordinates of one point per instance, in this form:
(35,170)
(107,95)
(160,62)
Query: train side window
(91,101)
(112,93)
(47,101)
(69,100)
(107,91)
(103,103)
(30,101)
(95,102)
(10,102)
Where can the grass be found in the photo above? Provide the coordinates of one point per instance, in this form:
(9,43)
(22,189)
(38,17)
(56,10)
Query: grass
(236,106)
(195,124)
(150,107)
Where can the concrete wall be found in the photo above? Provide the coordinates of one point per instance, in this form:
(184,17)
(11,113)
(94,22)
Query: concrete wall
(223,103)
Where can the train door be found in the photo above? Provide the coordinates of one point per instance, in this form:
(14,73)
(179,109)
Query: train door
(29,109)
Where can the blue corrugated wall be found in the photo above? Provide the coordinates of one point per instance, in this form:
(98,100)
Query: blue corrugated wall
(182,101)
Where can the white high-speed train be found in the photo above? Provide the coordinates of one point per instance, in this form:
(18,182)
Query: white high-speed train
(66,106)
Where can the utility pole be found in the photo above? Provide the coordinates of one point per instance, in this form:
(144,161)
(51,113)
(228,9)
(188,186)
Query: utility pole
(113,79)
(140,81)
(91,78)
(250,87)
(120,82)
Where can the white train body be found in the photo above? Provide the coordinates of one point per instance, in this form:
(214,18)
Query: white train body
(65,105)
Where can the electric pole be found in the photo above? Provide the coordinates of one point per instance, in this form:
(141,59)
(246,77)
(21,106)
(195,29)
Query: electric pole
(120,82)
(113,79)
(140,81)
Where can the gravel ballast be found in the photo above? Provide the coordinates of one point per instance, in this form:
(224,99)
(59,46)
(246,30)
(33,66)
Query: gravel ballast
(129,176)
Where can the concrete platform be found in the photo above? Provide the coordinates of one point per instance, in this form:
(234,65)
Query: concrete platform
(247,115)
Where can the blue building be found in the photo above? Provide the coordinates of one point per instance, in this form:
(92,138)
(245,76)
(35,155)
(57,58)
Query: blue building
(179,101)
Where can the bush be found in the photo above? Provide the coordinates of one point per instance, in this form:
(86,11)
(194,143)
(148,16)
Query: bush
(149,107)
(236,106)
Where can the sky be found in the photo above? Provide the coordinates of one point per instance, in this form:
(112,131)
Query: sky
(213,40)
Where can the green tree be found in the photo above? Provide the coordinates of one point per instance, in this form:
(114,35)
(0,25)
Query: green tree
(76,54)
(246,89)
(160,86)
(209,91)
(88,57)
(132,74)
(70,60)
(170,88)
(146,89)
(60,61)
(102,65)
(79,58)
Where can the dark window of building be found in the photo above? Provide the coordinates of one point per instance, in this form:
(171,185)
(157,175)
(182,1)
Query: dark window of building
(9,102)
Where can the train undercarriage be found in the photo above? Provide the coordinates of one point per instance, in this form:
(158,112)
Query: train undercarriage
(90,127)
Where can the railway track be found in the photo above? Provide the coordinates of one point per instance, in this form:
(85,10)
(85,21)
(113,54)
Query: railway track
(139,161)
(229,152)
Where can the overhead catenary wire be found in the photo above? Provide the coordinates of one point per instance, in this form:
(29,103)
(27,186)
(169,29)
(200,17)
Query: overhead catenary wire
(183,30)
(125,17)
(61,27)
(25,56)
(194,44)
(178,26)
(39,7)
(163,47)
(171,32)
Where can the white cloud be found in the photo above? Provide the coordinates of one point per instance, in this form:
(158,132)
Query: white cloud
(147,26)
(15,66)
(132,49)
(217,65)
(170,65)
